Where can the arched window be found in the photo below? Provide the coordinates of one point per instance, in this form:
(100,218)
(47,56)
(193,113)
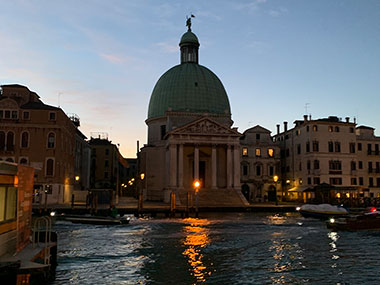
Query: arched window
(9,159)
(2,140)
(23,161)
(24,139)
(10,141)
(51,140)
(49,167)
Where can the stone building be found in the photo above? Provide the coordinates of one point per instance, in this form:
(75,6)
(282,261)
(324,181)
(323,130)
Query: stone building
(367,165)
(190,135)
(318,152)
(260,163)
(41,136)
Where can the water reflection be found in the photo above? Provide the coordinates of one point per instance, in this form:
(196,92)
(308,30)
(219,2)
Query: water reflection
(197,237)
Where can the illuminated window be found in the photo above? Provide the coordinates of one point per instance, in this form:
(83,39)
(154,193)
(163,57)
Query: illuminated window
(270,152)
(315,128)
(8,203)
(245,151)
(331,129)
(258,151)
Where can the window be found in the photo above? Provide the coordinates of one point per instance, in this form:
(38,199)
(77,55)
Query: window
(24,139)
(351,129)
(370,180)
(308,165)
(309,180)
(298,149)
(258,152)
(378,181)
(52,116)
(308,147)
(298,132)
(10,141)
(359,146)
(50,167)
(270,152)
(315,146)
(271,170)
(330,129)
(106,163)
(245,151)
(258,170)
(331,146)
(316,180)
(337,129)
(26,115)
(163,131)
(360,164)
(369,148)
(107,151)
(335,180)
(51,140)
(8,203)
(335,167)
(353,181)
(315,128)
(307,128)
(257,136)
(287,152)
(105,175)
(2,140)
(245,170)
(353,165)
(7,114)
(337,146)
(361,181)
(316,164)
(370,166)
(300,166)
(352,147)
(23,160)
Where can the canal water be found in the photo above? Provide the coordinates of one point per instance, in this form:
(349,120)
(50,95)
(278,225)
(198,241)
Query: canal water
(228,248)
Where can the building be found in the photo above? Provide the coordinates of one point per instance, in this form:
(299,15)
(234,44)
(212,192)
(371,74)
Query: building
(260,164)
(108,167)
(329,159)
(190,135)
(41,136)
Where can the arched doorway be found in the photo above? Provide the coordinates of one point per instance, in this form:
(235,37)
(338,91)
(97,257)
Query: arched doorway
(246,192)
(272,194)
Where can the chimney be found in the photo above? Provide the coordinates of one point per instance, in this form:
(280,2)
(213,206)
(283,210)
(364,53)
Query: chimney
(305,118)
(278,128)
(354,120)
(285,126)
(347,119)
(310,117)
(138,146)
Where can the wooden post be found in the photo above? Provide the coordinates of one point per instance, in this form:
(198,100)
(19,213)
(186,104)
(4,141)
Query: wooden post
(46,201)
(140,203)
(172,204)
(187,204)
(96,202)
(72,201)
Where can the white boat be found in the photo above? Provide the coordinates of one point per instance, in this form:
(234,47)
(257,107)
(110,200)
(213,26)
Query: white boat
(322,211)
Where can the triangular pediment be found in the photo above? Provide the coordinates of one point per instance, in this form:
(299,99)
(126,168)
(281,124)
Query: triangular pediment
(205,126)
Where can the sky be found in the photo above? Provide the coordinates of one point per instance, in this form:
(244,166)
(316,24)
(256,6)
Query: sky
(277,59)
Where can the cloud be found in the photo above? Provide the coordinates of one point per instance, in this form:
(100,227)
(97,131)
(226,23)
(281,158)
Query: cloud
(250,6)
(114,58)
(168,47)
(277,12)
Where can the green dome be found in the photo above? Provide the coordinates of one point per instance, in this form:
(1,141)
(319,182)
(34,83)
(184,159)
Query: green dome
(189,37)
(188,87)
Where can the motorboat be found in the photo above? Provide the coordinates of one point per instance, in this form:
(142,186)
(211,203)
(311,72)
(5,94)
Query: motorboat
(322,211)
(367,221)
(97,220)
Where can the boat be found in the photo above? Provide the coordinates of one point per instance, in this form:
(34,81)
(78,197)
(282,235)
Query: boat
(322,211)
(365,221)
(97,220)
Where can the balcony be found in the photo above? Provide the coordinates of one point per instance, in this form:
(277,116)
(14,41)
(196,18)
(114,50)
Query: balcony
(373,152)
(335,171)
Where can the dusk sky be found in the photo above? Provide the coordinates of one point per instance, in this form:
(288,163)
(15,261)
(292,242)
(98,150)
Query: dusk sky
(101,59)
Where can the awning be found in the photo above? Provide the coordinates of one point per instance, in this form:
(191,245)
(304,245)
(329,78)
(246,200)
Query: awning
(298,189)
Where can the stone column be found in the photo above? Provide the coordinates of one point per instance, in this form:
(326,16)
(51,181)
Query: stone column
(213,167)
(180,166)
(173,165)
(236,167)
(229,167)
(196,163)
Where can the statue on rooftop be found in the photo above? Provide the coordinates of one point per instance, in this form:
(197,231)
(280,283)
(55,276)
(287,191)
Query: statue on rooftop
(188,22)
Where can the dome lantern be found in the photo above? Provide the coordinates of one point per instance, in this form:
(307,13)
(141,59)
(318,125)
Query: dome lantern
(189,45)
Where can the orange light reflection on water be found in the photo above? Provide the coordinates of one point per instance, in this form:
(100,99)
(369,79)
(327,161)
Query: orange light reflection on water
(197,237)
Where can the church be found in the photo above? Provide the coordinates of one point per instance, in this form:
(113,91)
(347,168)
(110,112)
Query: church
(190,135)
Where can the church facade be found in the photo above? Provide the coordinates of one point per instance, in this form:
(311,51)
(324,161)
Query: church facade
(190,135)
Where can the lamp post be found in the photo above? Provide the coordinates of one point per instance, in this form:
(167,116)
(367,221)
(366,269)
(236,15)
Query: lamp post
(275,179)
(141,192)
(197,185)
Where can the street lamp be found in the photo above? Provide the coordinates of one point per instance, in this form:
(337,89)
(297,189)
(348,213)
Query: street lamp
(197,185)
(275,179)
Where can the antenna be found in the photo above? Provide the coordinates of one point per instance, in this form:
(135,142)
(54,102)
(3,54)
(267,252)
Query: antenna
(306,106)
(59,99)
